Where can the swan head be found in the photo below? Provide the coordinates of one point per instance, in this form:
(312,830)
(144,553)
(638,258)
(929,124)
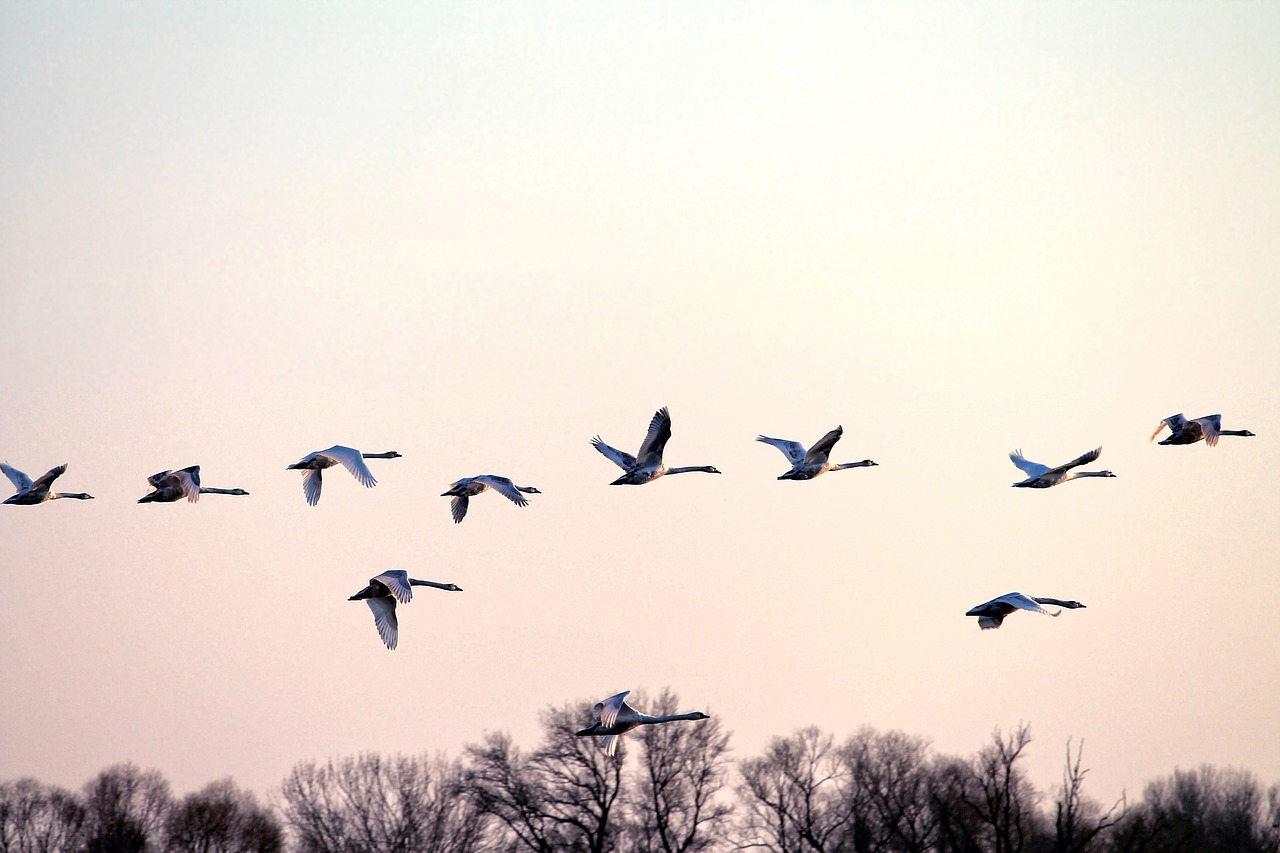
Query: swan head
(698,715)
(711,469)
(1073,605)
(453,587)
(531,490)
(1245,432)
(1105,474)
(236,492)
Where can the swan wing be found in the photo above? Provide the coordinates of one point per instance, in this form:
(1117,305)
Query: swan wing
(1082,459)
(158,478)
(458,508)
(822,447)
(793,450)
(396,580)
(384,618)
(610,744)
(1173,422)
(504,487)
(350,458)
(1022,602)
(655,440)
(610,708)
(188,480)
(623,460)
(20,481)
(986,623)
(1212,425)
(311,484)
(1031,469)
(45,480)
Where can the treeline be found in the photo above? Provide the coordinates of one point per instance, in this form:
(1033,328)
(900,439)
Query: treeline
(673,788)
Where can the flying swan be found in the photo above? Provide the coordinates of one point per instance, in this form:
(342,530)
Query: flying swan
(384,591)
(613,716)
(169,486)
(646,466)
(805,465)
(469,487)
(1183,431)
(992,613)
(1042,476)
(37,492)
(348,457)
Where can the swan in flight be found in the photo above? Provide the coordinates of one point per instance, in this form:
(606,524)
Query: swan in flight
(1042,476)
(613,716)
(37,491)
(1183,431)
(805,465)
(384,591)
(992,613)
(646,466)
(169,486)
(350,458)
(469,487)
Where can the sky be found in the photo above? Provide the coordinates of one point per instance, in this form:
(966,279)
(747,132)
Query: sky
(232,234)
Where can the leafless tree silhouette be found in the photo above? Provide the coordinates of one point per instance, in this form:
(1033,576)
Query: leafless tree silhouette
(370,803)
(221,818)
(36,818)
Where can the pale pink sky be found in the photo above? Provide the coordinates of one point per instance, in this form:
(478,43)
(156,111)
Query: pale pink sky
(481,234)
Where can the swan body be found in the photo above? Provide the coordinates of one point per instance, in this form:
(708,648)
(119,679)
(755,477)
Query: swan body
(1042,476)
(384,591)
(1184,431)
(646,466)
(169,486)
(469,487)
(613,717)
(807,464)
(992,613)
(348,457)
(31,492)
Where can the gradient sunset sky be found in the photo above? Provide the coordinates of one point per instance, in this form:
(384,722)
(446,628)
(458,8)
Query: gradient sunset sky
(481,233)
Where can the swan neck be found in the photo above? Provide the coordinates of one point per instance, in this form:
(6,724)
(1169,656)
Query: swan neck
(416,582)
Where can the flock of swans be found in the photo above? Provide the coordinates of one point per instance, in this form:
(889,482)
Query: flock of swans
(612,716)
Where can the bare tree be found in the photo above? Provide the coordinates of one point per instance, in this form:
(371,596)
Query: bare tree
(673,795)
(221,818)
(125,810)
(792,796)
(1207,809)
(380,805)
(992,789)
(37,818)
(1079,822)
(562,796)
(892,776)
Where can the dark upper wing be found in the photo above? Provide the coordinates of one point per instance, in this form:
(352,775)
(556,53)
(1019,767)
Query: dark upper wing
(655,440)
(822,447)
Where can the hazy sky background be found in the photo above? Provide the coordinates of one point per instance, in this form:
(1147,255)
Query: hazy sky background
(480,234)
